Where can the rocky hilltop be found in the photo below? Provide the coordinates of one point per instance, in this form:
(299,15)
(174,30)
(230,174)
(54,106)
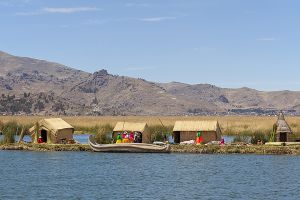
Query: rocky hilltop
(31,86)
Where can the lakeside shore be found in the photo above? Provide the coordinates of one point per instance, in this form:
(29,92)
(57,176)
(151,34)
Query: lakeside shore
(197,149)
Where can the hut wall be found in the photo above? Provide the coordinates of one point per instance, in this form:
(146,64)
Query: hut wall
(64,134)
(296,137)
(52,139)
(209,136)
(146,136)
(206,135)
(187,135)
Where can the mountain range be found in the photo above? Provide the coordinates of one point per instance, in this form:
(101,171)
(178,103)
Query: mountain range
(37,87)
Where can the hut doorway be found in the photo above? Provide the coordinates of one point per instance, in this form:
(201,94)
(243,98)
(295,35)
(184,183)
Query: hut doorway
(138,137)
(44,135)
(176,137)
(283,137)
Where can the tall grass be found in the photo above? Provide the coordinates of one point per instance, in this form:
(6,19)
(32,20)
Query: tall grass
(104,133)
(241,138)
(260,136)
(1,126)
(159,132)
(230,125)
(10,129)
(88,129)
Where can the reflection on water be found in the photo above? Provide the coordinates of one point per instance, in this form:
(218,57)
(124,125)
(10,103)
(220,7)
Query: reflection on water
(87,175)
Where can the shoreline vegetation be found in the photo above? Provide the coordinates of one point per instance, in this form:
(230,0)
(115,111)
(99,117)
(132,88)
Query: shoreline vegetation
(196,149)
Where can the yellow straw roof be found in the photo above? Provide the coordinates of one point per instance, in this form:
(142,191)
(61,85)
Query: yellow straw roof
(130,126)
(196,126)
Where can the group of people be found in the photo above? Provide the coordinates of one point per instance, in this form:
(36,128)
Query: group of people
(129,137)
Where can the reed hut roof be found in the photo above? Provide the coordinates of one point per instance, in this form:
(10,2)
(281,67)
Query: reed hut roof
(282,125)
(53,124)
(196,126)
(130,126)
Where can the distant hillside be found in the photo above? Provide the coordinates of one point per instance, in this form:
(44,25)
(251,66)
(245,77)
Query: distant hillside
(31,86)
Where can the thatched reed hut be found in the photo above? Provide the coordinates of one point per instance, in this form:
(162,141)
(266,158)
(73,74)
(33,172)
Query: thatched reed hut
(187,130)
(52,131)
(282,129)
(133,127)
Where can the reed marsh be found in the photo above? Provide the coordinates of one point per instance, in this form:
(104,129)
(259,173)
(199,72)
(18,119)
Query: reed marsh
(230,125)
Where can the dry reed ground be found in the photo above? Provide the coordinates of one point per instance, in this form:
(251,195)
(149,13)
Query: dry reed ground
(229,124)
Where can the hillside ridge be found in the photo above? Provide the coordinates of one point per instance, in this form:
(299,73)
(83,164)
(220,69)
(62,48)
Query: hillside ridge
(31,86)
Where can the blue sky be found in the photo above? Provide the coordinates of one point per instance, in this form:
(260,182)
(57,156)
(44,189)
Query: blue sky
(228,43)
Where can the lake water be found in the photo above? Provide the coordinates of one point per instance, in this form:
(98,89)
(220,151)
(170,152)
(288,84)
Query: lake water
(81,138)
(88,175)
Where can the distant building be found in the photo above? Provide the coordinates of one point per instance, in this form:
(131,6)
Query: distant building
(187,130)
(282,129)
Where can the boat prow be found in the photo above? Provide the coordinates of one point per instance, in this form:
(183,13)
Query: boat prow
(128,147)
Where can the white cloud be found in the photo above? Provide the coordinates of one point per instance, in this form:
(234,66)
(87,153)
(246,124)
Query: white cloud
(108,20)
(266,39)
(156,19)
(62,10)
(68,10)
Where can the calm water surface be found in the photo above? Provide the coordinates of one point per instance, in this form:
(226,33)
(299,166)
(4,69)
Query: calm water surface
(87,175)
(81,138)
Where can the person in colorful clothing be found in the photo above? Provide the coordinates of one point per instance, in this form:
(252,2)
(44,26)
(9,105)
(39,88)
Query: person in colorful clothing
(199,138)
(126,138)
(40,140)
(119,139)
(222,142)
(131,137)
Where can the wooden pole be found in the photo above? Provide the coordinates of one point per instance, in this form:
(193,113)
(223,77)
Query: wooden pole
(21,135)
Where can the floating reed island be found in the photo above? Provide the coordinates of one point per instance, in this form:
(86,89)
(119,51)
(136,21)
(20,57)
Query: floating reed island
(195,149)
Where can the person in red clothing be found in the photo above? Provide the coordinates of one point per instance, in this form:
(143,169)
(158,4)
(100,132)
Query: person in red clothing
(199,138)
(131,137)
(40,140)
(222,142)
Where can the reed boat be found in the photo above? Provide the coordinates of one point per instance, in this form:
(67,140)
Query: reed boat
(128,147)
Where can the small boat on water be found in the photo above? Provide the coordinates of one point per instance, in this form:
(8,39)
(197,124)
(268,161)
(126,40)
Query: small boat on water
(128,147)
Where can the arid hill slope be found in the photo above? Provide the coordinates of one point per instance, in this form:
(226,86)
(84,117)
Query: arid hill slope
(31,86)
